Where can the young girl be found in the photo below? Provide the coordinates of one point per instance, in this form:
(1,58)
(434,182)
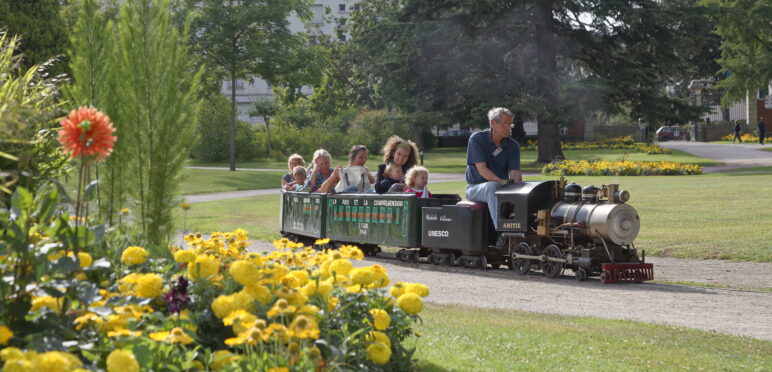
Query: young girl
(293,161)
(355,177)
(417,178)
(298,179)
(392,178)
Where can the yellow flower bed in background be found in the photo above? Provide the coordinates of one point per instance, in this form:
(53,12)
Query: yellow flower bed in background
(747,137)
(618,143)
(619,168)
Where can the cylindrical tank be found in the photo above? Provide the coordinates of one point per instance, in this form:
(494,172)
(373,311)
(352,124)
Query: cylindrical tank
(616,223)
(590,194)
(572,193)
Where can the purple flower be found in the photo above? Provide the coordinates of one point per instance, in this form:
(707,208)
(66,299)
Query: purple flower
(178,299)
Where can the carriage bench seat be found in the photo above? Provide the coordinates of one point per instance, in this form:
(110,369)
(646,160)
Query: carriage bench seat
(472,204)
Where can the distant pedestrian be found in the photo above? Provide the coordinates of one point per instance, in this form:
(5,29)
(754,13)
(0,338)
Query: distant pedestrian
(737,129)
(762,130)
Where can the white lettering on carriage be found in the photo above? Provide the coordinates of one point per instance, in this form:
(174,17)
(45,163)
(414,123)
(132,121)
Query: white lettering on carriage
(431,217)
(438,233)
(445,219)
(388,203)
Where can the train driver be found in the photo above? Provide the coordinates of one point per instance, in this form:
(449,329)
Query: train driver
(492,157)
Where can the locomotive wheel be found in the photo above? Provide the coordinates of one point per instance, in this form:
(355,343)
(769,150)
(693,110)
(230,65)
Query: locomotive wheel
(552,269)
(580,275)
(483,263)
(521,265)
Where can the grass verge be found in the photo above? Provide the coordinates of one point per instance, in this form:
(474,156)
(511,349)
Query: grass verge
(200,181)
(460,338)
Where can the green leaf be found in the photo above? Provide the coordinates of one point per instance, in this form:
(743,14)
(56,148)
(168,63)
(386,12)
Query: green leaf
(87,292)
(21,202)
(65,265)
(47,206)
(102,311)
(100,264)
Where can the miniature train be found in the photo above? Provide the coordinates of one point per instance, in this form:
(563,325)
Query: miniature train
(546,226)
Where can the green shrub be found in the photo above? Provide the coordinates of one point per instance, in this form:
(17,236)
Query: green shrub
(213,133)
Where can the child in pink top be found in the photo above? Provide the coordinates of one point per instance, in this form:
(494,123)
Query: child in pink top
(416,180)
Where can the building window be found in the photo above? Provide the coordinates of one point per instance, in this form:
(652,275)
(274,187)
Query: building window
(318,11)
(342,7)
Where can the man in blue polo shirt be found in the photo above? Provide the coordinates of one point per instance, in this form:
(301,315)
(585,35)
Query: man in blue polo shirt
(492,157)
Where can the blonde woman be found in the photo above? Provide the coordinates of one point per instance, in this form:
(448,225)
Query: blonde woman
(322,171)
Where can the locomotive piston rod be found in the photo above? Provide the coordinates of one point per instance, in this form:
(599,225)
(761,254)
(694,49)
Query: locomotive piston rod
(544,258)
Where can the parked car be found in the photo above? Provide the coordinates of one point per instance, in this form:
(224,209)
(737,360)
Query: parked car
(672,133)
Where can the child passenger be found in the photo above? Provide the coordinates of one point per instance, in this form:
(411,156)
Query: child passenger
(392,178)
(293,161)
(298,179)
(417,178)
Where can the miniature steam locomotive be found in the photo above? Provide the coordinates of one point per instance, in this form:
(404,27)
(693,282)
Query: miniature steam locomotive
(546,226)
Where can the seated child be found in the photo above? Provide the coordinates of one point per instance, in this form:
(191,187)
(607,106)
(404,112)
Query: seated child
(293,161)
(417,178)
(392,179)
(298,179)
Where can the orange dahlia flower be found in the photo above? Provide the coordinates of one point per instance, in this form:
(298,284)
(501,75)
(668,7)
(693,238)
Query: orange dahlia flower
(87,132)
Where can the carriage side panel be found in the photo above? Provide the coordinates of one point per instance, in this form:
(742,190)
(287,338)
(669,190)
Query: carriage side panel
(304,214)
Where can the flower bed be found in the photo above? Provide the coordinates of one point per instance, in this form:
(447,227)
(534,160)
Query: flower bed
(618,143)
(619,168)
(210,306)
(747,137)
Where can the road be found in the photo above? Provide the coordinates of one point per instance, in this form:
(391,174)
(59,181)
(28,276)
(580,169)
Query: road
(733,156)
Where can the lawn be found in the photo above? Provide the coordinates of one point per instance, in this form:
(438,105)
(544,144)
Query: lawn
(205,180)
(459,338)
(720,216)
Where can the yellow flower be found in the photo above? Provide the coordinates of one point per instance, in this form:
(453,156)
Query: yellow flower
(304,327)
(244,272)
(184,256)
(177,335)
(280,307)
(121,360)
(381,319)
(378,337)
(46,302)
(296,279)
(18,365)
(222,358)
(223,306)
(204,267)
(410,303)
(397,289)
(240,320)
(332,303)
(278,369)
(252,336)
(84,319)
(125,210)
(5,335)
(55,361)
(124,332)
(417,288)
(340,266)
(362,276)
(258,292)
(11,353)
(84,259)
(378,353)
(149,286)
(134,256)
(185,206)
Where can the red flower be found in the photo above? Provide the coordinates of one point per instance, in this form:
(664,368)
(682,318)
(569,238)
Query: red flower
(87,132)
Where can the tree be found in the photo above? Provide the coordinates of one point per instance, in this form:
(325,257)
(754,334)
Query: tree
(746,49)
(552,59)
(245,38)
(41,27)
(267,109)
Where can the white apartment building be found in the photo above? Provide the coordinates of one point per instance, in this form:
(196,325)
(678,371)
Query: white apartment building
(327,16)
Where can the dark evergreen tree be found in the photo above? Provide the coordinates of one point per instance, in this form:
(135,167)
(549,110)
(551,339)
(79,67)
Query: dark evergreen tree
(41,28)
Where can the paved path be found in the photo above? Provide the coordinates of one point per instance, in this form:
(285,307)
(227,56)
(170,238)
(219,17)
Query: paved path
(733,156)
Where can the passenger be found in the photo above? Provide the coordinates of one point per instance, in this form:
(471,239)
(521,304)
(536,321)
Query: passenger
(417,179)
(299,179)
(392,180)
(293,161)
(396,151)
(355,177)
(322,171)
(491,158)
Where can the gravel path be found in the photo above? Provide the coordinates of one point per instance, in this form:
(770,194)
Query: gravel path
(733,156)
(732,311)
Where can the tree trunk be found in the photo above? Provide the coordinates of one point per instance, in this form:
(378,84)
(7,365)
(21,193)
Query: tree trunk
(232,134)
(268,133)
(546,73)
